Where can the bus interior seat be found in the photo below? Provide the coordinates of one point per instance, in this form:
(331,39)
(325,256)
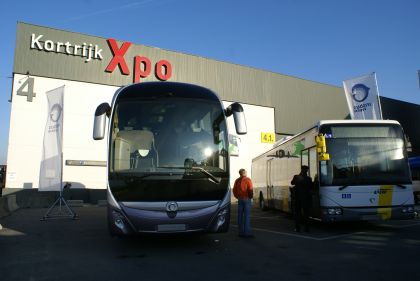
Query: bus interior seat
(135,149)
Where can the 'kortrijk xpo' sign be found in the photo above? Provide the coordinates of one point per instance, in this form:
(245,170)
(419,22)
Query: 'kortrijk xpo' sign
(88,52)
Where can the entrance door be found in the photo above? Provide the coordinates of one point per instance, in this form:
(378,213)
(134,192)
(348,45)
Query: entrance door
(309,159)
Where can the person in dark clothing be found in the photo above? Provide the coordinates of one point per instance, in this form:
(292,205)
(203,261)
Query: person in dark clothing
(302,198)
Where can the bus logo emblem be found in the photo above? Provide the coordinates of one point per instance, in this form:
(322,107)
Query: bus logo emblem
(172,207)
(360,92)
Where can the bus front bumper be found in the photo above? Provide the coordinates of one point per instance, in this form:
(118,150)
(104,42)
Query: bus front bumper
(332,214)
(129,221)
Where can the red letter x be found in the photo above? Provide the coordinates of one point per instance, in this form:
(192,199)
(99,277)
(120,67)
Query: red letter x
(118,58)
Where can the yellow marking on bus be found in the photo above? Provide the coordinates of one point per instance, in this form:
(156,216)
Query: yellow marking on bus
(385,199)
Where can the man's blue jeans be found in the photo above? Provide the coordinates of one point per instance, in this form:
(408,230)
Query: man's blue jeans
(244,211)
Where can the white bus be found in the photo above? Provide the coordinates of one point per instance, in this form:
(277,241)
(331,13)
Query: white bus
(362,175)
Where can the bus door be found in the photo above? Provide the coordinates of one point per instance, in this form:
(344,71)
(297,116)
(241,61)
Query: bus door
(309,158)
(270,191)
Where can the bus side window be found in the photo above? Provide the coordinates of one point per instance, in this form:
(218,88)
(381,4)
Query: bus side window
(305,158)
(313,169)
(326,177)
(309,159)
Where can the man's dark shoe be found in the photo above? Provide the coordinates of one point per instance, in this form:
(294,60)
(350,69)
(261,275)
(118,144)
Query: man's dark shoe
(297,230)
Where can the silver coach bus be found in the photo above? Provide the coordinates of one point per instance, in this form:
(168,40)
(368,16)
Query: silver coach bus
(168,161)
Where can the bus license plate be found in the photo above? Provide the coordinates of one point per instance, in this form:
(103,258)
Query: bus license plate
(371,218)
(171,227)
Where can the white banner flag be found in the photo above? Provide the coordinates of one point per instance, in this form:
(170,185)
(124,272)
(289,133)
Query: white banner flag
(50,177)
(363,97)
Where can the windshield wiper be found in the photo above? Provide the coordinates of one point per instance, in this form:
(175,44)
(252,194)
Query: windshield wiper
(205,172)
(133,178)
(402,186)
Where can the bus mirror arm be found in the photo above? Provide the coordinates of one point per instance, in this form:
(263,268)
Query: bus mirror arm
(103,108)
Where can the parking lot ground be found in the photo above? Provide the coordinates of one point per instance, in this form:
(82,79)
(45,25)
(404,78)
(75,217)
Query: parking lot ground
(65,249)
(278,223)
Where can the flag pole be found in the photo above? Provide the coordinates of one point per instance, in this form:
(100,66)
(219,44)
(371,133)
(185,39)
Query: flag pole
(60,202)
(379,97)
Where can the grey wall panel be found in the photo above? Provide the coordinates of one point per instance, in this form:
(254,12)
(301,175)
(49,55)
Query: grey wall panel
(298,103)
(408,115)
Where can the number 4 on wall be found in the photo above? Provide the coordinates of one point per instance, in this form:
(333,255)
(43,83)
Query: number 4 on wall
(27,89)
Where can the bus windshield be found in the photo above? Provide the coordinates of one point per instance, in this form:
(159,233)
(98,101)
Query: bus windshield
(364,155)
(157,134)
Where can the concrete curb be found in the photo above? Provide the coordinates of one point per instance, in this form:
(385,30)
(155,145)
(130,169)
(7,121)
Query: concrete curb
(8,205)
(75,203)
(32,198)
(102,203)
(3,211)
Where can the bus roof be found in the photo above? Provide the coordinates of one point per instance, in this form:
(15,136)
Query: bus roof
(324,122)
(327,122)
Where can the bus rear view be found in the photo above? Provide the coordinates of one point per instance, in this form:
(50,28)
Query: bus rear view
(168,162)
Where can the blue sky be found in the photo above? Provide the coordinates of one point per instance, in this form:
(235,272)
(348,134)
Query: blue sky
(325,40)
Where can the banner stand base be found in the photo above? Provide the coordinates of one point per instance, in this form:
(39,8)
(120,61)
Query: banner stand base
(64,211)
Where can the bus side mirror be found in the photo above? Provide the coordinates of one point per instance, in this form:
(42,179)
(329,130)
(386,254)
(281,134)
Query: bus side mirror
(238,116)
(321,148)
(102,111)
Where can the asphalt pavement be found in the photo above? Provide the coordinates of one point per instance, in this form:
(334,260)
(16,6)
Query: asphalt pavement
(65,249)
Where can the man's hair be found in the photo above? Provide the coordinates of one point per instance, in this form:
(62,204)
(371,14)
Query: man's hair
(305,168)
(241,171)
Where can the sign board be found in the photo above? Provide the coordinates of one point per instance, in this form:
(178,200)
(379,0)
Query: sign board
(363,97)
(87,58)
(234,143)
(268,137)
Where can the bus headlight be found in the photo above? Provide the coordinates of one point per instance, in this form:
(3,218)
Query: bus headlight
(333,211)
(119,221)
(221,217)
(409,209)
